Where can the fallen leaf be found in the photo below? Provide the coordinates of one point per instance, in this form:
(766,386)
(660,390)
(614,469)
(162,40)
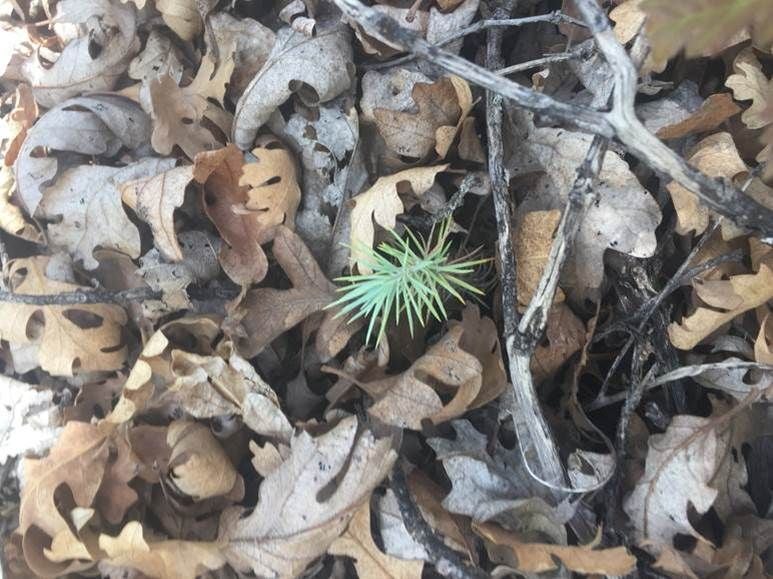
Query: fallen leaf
(107,124)
(442,106)
(154,199)
(533,240)
(182,16)
(94,60)
(724,300)
(83,338)
(763,345)
(115,496)
(749,83)
(564,336)
(714,111)
(624,218)
(28,420)
(198,465)
(289,527)
(12,219)
(357,543)
(160,57)
(18,122)
(85,207)
(541,557)
(322,62)
(381,203)
(161,559)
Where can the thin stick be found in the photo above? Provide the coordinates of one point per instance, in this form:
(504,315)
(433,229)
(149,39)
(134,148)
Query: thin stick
(550,58)
(621,122)
(101,296)
(446,561)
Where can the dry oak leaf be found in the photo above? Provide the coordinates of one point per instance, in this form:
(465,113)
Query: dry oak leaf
(409,398)
(442,106)
(714,111)
(749,83)
(266,313)
(91,125)
(289,527)
(12,220)
(115,496)
(159,57)
(623,219)
(77,461)
(182,16)
(84,338)
(382,204)
(323,62)
(564,336)
(763,345)
(533,240)
(541,557)
(160,559)
(274,193)
(357,543)
(717,156)
(680,468)
(85,207)
(17,123)
(179,112)
(724,300)
(91,62)
(198,466)
(154,199)
(704,26)
(242,256)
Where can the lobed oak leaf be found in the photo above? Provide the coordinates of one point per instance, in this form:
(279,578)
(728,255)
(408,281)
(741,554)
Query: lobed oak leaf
(84,338)
(182,16)
(323,62)
(357,543)
(292,525)
(85,205)
(170,559)
(381,203)
(749,83)
(704,26)
(159,57)
(91,62)
(12,219)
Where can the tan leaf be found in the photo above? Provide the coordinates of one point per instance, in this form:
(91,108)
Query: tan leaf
(159,57)
(91,62)
(357,543)
(290,526)
(442,106)
(85,207)
(182,16)
(18,122)
(115,496)
(274,194)
(12,219)
(541,557)
(714,111)
(243,258)
(564,336)
(533,240)
(154,199)
(77,461)
(199,466)
(628,18)
(749,83)
(724,300)
(266,313)
(160,559)
(382,203)
(763,345)
(83,338)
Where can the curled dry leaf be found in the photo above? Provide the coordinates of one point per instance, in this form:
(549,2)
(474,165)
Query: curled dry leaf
(93,125)
(12,219)
(85,205)
(724,300)
(160,559)
(749,83)
(198,466)
(84,338)
(91,62)
(357,543)
(323,62)
(182,16)
(290,526)
(381,203)
(529,557)
(624,218)
(17,123)
(717,156)
(442,106)
(242,258)
(154,199)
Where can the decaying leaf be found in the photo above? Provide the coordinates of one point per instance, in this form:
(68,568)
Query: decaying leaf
(749,83)
(322,62)
(91,62)
(290,526)
(357,543)
(564,336)
(381,203)
(69,339)
(533,240)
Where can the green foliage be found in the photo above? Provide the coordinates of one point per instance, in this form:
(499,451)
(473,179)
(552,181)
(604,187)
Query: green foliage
(704,26)
(408,278)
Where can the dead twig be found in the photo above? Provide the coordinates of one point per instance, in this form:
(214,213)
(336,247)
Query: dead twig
(102,296)
(550,58)
(447,562)
(620,123)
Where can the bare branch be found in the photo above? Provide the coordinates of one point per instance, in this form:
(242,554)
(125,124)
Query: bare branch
(550,58)
(102,296)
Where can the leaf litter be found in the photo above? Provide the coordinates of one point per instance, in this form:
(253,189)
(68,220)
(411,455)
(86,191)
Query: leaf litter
(198,198)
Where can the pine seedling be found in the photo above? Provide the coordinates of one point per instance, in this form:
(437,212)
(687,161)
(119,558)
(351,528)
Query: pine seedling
(408,279)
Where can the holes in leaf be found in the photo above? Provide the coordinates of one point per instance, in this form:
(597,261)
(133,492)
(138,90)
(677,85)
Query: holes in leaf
(83,319)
